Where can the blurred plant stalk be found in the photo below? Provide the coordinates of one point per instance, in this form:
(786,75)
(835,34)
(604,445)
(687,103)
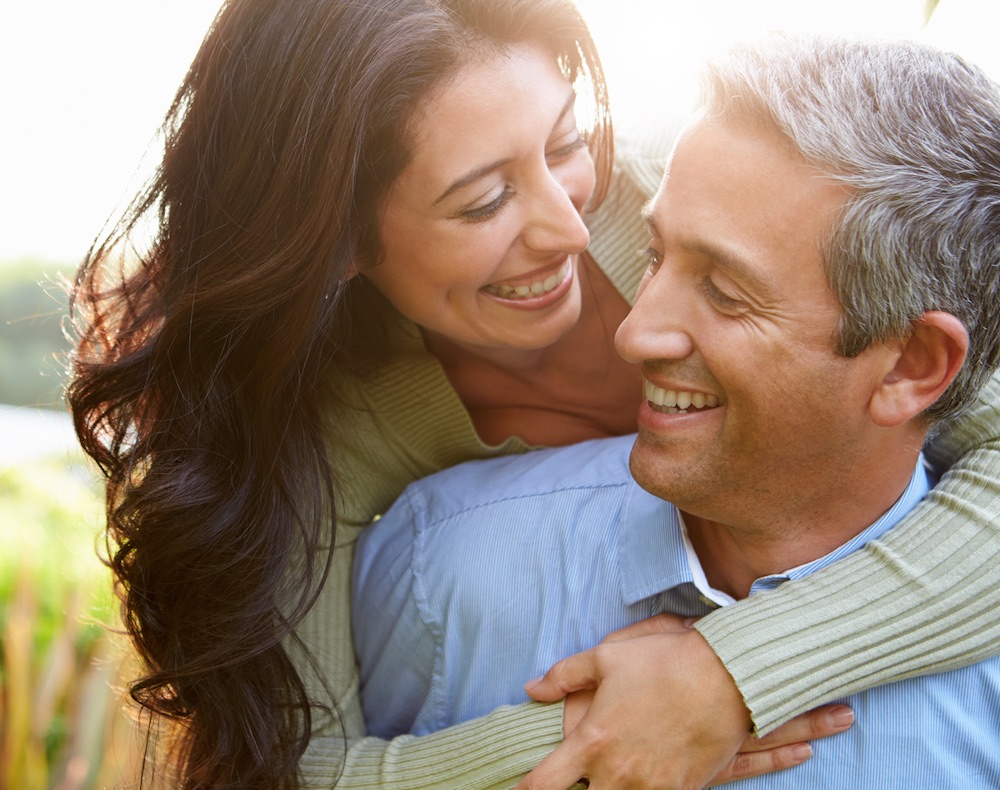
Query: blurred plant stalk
(64,722)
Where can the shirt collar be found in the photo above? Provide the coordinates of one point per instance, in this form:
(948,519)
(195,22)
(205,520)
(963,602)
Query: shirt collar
(655,554)
(651,553)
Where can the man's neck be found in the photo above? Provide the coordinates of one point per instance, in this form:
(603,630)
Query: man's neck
(735,554)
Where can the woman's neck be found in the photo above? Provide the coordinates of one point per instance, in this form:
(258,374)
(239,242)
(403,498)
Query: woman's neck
(576,389)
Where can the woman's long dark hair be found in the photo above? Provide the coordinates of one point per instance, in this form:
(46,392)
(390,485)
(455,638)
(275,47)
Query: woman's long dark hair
(197,383)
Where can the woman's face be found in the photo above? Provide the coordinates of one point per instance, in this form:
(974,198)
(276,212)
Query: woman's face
(482,231)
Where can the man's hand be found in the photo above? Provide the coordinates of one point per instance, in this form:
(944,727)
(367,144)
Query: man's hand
(653,707)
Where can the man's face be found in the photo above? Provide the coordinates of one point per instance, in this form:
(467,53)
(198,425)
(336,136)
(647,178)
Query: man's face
(735,318)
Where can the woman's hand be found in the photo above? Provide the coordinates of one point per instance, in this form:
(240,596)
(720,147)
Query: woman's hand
(653,707)
(786,745)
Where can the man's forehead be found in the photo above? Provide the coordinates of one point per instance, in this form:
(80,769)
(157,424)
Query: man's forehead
(742,195)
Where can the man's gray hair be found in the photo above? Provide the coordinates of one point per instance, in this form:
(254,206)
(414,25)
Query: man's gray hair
(914,133)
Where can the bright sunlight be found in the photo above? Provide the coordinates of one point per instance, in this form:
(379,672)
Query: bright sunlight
(85,84)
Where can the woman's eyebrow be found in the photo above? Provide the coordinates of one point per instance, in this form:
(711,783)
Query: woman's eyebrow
(479,172)
(470,177)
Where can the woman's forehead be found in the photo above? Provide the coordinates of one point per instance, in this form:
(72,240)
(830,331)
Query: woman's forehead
(492,108)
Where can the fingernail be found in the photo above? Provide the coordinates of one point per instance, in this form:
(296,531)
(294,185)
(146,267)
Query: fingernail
(531,684)
(841,717)
(801,752)
(690,621)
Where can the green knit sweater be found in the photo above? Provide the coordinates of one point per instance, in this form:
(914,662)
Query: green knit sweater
(811,641)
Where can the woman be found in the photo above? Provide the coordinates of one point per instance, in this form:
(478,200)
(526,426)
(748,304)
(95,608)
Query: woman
(340,296)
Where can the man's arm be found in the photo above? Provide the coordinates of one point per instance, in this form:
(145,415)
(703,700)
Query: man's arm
(396,648)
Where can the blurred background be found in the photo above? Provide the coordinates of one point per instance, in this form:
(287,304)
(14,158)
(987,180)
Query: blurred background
(83,87)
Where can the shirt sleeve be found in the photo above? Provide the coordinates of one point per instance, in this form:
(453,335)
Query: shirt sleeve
(921,599)
(490,753)
(396,644)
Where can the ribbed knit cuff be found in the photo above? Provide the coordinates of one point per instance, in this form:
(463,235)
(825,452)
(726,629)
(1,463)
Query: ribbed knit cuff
(491,753)
(923,599)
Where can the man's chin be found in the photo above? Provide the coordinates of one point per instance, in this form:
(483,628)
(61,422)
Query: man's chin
(651,467)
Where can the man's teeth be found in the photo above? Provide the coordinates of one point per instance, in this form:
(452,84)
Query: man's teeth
(527,291)
(674,402)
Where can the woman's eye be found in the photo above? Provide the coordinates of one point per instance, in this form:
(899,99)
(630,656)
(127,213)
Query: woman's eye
(481,213)
(566,151)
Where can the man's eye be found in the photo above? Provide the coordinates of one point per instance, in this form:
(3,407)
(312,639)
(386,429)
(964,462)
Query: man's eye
(718,298)
(652,258)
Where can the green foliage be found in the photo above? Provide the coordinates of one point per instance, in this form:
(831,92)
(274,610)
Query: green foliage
(33,348)
(62,722)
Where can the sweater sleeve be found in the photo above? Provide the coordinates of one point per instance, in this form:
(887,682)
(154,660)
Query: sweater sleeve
(490,753)
(922,599)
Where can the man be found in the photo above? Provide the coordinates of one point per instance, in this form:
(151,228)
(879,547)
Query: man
(823,287)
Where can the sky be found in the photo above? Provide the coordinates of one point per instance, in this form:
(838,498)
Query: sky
(84,85)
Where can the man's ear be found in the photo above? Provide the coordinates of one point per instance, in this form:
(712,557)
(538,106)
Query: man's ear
(927,362)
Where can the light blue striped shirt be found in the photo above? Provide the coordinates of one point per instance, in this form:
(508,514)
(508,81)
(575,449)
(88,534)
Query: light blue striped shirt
(484,575)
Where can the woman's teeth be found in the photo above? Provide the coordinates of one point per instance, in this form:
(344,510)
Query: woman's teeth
(678,402)
(532,290)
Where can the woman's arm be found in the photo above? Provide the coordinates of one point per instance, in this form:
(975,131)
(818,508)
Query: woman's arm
(491,753)
(922,599)
(494,752)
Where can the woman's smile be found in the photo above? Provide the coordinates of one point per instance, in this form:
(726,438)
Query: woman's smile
(536,290)
(502,134)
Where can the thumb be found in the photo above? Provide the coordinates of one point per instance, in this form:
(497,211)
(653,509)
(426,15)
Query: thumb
(578,672)
(659,624)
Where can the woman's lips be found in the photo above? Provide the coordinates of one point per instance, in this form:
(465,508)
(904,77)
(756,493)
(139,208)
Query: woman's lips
(526,291)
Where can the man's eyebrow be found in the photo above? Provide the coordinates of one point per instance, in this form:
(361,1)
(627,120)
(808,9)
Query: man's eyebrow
(763,285)
(649,219)
(479,172)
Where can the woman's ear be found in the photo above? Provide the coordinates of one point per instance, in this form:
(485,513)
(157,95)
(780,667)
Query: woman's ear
(352,272)
(928,361)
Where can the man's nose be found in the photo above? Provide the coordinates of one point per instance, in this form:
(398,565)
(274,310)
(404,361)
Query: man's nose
(655,328)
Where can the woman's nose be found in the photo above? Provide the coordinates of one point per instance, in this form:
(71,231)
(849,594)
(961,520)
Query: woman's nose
(556,220)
